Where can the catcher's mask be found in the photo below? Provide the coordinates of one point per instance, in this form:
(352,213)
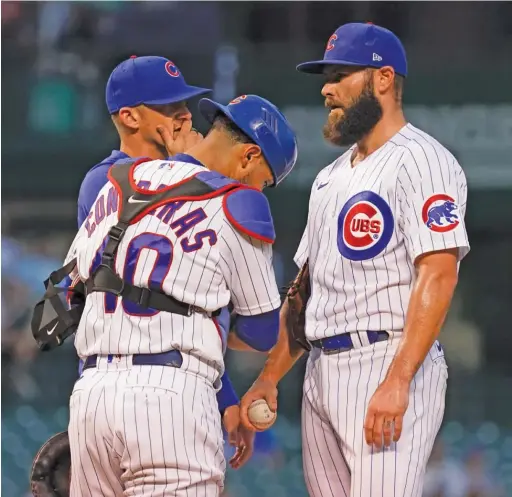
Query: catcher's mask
(60,323)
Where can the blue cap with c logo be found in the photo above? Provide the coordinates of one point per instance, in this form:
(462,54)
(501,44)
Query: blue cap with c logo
(148,80)
(361,44)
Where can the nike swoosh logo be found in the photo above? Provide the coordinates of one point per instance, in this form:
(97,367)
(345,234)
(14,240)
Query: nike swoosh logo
(52,330)
(132,200)
(322,185)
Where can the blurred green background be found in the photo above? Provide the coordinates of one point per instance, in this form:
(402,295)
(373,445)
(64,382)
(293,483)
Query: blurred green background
(56,58)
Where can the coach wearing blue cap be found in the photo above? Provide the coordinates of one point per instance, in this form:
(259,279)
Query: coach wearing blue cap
(147,100)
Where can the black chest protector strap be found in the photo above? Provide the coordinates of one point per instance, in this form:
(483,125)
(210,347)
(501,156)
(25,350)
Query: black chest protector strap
(60,322)
(133,205)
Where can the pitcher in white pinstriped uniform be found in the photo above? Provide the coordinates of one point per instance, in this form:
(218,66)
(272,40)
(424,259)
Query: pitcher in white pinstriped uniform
(143,416)
(384,237)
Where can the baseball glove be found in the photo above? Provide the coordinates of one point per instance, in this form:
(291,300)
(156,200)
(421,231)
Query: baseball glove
(51,469)
(296,298)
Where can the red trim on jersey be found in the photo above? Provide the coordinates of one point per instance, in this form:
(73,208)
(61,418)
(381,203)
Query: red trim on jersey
(132,171)
(218,330)
(69,293)
(118,190)
(237,225)
(215,193)
(151,208)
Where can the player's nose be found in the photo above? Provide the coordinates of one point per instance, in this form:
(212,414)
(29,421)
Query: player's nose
(327,90)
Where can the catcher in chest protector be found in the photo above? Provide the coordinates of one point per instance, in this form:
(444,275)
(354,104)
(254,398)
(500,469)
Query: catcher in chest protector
(51,474)
(51,469)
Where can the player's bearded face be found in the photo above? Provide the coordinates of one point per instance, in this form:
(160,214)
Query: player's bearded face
(355,120)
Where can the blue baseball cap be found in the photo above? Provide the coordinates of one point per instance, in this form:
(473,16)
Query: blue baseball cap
(263,123)
(147,80)
(361,44)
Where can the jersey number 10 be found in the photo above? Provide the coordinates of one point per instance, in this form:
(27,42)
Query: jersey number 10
(163,248)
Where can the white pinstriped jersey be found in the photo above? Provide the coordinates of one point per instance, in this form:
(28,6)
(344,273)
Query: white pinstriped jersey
(366,226)
(192,251)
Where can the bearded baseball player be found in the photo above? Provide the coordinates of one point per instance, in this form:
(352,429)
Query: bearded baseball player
(379,261)
(155,268)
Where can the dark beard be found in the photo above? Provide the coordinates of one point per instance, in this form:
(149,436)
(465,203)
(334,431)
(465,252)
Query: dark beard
(357,120)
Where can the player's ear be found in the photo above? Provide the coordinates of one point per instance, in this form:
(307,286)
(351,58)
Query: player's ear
(384,79)
(252,164)
(130,117)
(247,160)
(252,157)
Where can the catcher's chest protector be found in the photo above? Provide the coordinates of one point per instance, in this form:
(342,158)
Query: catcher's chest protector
(134,203)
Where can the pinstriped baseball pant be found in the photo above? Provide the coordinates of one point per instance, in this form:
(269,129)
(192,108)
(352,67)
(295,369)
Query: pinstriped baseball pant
(145,431)
(337,389)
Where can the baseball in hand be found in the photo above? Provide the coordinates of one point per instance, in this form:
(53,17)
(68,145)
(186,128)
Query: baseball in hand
(260,415)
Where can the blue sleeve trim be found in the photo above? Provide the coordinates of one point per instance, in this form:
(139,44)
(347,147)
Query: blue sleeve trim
(93,182)
(226,397)
(248,211)
(259,332)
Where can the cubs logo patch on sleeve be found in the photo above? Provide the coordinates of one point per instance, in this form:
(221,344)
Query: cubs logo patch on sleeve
(365,226)
(440,213)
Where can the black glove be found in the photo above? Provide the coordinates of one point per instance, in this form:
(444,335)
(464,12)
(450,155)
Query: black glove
(51,469)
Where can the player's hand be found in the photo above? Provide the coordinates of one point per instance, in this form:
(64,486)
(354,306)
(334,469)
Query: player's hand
(244,447)
(384,418)
(231,422)
(262,388)
(238,437)
(180,141)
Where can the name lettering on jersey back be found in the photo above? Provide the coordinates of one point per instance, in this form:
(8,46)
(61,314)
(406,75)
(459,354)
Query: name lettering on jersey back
(107,204)
(101,209)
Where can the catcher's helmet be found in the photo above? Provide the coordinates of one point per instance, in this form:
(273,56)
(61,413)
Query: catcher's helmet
(264,123)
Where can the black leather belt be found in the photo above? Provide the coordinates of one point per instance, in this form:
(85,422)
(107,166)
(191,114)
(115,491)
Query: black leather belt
(171,358)
(343,342)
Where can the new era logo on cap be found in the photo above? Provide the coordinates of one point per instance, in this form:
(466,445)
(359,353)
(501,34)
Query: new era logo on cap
(376,57)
